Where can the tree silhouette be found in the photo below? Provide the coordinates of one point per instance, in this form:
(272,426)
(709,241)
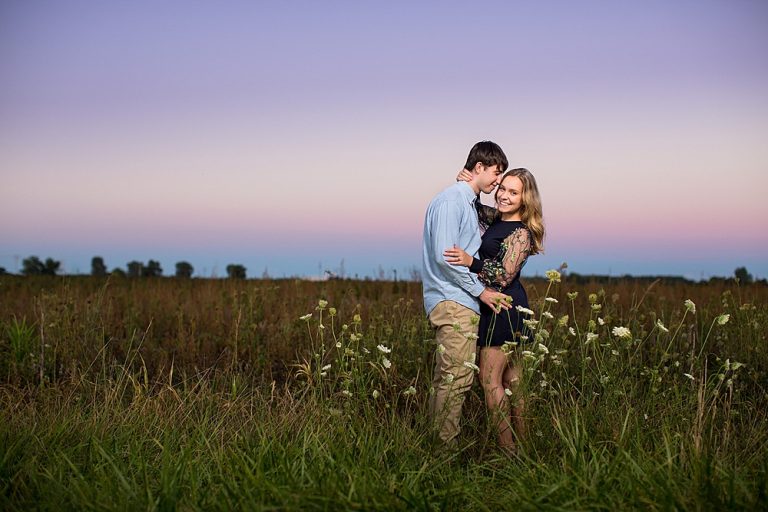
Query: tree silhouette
(98,268)
(152,269)
(184,269)
(236,271)
(742,275)
(3,271)
(134,268)
(32,266)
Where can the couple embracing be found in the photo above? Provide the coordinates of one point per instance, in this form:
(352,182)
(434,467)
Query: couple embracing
(472,256)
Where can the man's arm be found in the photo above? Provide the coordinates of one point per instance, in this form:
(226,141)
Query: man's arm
(446,223)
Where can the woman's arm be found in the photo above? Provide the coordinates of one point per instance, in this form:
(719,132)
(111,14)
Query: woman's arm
(501,270)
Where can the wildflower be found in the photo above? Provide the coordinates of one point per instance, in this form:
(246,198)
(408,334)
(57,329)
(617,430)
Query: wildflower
(338,344)
(474,320)
(383,349)
(321,326)
(735,366)
(471,366)
(604,379)
(661,327)
(591,337)
(521,309)
(615,352)
(323,374)
(441,349)
(472,336)
(507,391)
(457,327)
(563,321)
(571,331)
(572,295)
(542,348)
(596,307)
(543,384)
(592,298)
(366,351)
(448,377)
(410,391)
(523,338)
(600,321)
(531,324)
(344,327)
(689,376)
(346,393)
(527,354)
(551,299)
(322,304)
(473,357)
(326,368)
(386,362)
(349,352)
(723,319)
(621,332)
(332,311)
(690,306)
(553,276)
(356,319)
(547,314)
(375,394)
(305,317)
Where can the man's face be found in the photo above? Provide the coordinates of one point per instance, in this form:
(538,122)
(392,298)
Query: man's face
(488,177)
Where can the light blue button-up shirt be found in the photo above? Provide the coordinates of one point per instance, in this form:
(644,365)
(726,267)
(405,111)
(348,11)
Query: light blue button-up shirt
(451,219)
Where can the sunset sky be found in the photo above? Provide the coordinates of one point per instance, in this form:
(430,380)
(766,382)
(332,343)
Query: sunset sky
(289,136)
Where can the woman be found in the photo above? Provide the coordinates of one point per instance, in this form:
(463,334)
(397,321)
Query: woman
(514,230)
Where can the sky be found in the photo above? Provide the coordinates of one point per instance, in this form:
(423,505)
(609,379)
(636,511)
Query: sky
(297,137)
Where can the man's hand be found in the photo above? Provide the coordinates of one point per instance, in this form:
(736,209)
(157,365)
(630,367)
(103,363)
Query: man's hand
(495,300)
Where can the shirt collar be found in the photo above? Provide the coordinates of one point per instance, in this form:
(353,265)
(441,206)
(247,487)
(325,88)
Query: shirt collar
(467,192)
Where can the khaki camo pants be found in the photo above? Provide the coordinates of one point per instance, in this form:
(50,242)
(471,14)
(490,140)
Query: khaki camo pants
(456,343)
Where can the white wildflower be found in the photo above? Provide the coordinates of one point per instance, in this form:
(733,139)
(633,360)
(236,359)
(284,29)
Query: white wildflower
(572,295)
(375,393)
(305,317)
(410,391)
(690,306)
(596,307)
(322,304)
(547,314)
(689,376)
(723,319)
(661,327)
(553,276)
(346,393)
(441,349)
(472,336)
(383,349)
(521,309)
(591,336)
(563,321)
(551,299)
(386,362)
(448,377)
(600,321)
(571,331)
(326,368)
(615,352)
(471,366)
(338,344)
(621,332)
(523,337)
(507,391)
(542,348)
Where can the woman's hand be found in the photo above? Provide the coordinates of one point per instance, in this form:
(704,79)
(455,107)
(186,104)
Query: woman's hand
(456,256)
(464,175)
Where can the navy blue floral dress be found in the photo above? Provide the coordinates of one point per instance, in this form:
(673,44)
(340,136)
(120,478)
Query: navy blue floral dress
(503,251)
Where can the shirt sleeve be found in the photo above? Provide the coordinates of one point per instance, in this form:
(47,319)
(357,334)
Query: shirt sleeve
(500,271)
(446,224)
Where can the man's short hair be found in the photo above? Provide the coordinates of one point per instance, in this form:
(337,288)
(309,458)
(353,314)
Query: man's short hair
(487,153)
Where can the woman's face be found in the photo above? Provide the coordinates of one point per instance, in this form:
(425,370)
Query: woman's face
(509,196)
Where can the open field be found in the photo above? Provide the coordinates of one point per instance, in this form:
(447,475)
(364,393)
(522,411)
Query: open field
(163,393)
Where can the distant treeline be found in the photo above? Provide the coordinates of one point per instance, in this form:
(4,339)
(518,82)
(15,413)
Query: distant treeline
(34,266)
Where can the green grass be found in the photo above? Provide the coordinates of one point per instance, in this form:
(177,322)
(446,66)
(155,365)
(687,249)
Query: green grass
(165,394)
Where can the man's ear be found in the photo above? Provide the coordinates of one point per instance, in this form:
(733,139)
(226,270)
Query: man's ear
(477,169)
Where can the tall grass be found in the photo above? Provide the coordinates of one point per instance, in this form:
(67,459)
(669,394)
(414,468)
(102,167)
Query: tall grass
(168,394)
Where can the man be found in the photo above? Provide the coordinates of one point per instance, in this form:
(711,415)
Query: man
(451,292)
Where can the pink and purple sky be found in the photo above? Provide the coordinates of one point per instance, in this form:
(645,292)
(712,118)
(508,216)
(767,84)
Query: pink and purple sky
(289,136)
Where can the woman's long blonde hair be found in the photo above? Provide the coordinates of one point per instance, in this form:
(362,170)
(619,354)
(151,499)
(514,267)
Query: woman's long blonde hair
(530,212)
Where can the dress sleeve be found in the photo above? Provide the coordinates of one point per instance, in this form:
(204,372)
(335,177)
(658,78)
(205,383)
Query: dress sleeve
(500,271)
(485,214)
